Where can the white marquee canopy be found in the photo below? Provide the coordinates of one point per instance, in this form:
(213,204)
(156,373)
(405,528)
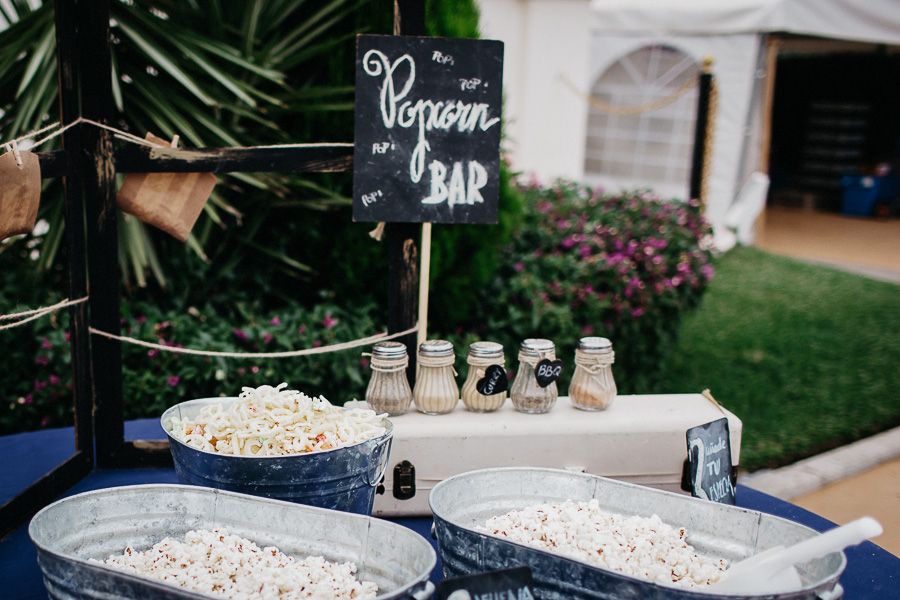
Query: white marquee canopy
(875,21)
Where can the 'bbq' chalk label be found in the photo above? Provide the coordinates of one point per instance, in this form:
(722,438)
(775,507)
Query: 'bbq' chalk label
(547,371)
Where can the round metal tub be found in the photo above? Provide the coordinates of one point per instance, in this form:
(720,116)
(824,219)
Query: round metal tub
(463,502)
(341,479)
(100,523)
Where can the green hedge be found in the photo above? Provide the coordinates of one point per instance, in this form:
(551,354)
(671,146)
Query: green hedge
(625,267)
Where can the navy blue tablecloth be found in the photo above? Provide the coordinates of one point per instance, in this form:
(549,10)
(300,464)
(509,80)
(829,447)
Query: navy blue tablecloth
(871,571)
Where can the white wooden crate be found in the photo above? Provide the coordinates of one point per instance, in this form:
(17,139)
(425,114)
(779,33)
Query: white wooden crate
(640,439)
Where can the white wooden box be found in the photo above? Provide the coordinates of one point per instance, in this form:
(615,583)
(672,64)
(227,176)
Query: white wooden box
(640,439)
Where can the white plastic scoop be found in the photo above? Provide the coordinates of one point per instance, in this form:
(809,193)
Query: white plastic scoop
(773,571)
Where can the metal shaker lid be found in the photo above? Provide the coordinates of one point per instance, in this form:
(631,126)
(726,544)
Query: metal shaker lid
(594,344)
(436,348)
(536,346)
(486,350)
(388,350)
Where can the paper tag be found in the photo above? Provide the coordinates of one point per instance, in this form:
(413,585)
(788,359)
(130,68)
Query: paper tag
(169,201)
(514,584)
(709,457)
(20,193)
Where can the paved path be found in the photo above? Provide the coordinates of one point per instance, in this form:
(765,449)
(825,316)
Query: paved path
(866,246)
(875,492)
(862,478)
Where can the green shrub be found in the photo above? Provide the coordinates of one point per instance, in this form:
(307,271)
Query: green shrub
(583,263)
(154,380)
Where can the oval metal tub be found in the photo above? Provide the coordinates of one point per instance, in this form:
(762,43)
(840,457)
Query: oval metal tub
(462,503)
(340,479)
(100,523)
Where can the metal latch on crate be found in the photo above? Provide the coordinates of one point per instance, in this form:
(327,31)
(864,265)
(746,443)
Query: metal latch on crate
(404,480)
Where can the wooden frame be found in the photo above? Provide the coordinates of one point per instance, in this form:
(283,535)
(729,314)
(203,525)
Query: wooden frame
(89,163)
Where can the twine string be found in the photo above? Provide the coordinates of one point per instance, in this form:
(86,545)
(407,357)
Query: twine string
(388,365)
(56,130)
(20,318)
(625,110)
(379,337)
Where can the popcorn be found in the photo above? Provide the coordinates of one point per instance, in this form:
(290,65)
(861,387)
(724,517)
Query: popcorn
(275,421)
(640,547)
(228,566)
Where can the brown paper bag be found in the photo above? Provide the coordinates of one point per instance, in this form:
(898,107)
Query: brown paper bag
(169,201)
(20,193)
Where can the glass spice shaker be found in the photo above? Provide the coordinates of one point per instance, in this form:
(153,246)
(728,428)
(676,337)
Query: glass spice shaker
(593,386)
(481,356)
(436,391)
(388,390)
(526,394)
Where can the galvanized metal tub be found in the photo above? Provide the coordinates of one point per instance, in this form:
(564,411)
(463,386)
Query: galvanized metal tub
(340,479)
(463,502)
(100,523)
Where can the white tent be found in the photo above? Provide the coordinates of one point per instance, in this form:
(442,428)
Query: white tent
(558,51)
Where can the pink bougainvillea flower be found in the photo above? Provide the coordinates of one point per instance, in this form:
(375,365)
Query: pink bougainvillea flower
(54,379)
(46,344)
(707,271)
(301,330)
(254,369)
(267,337)
(328,322)
(275,321)
(519,267)
(152,353)
(173,380)
(638,312)
(241,335)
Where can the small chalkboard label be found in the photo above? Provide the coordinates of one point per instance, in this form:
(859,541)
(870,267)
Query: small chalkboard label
(427,129)
(547,371)
(508,584)
(494,381)
(709,457)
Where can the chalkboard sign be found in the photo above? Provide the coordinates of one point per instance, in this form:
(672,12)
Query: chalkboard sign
(709,459)
(547,371)
(427,130)
(494,381)
(508,584)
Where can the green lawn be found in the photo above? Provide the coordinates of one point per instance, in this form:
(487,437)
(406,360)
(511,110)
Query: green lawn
(807,357)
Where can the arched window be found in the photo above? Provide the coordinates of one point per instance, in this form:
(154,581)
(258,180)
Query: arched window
(641,121)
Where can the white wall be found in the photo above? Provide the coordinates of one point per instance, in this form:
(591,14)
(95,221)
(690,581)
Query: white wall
(547,40)
(545,121)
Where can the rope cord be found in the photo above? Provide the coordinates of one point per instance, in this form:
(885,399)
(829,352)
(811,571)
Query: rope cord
(636,109)
(379,337)
(594,363)
(133,139)
(30,315)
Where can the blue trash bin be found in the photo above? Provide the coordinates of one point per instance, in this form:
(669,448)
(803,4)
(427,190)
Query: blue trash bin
(863,192)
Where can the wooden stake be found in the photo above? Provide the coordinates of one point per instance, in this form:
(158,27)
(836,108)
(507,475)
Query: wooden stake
(424,280)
